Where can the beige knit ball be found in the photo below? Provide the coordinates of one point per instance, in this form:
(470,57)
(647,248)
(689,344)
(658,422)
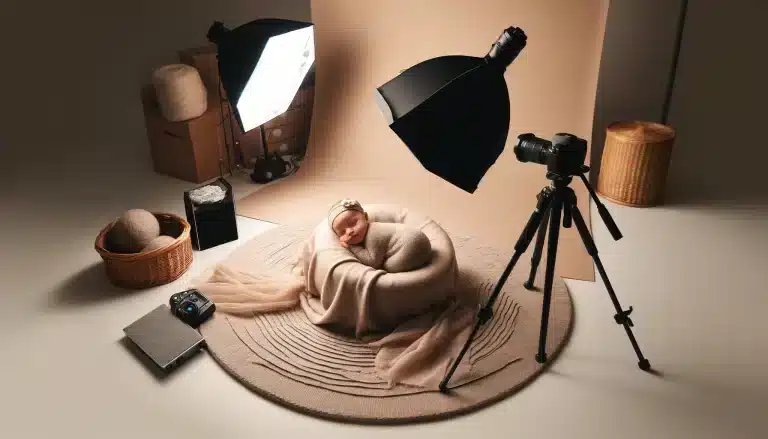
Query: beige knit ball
(180,91)
(133,231)
(159,242)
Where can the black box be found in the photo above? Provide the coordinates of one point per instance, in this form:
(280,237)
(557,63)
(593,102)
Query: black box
(213,223)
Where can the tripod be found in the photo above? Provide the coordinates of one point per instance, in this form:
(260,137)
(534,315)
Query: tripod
(554,201)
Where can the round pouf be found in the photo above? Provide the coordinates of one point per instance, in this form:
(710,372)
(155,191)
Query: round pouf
(285,358)
(159,242)
(181,94)
(635,161)
(133,231)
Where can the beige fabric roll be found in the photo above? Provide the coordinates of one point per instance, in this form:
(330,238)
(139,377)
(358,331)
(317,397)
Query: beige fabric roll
(181,94)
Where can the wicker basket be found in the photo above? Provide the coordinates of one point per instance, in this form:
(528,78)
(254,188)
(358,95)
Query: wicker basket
(635,161)
(152,268)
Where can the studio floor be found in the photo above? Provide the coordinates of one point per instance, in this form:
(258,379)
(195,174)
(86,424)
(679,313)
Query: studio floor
(694,275)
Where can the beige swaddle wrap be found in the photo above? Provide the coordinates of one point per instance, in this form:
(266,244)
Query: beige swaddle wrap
(408,314)
(393,247)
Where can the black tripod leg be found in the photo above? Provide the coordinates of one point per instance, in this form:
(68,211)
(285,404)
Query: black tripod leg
(537,250)
(544,200)
(621,317)
(549,273)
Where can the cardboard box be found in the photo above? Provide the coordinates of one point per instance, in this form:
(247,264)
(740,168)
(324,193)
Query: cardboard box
(283,119)
(290,128)
(204,59)
(194,150)
(292,146)
(250,146)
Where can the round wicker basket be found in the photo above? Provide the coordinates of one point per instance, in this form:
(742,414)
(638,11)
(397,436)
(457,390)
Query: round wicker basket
(635,161)
(152,268)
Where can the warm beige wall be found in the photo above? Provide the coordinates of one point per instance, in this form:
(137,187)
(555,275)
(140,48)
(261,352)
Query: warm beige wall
(71,70)
(719,95)
(552,87)
(635,67)
(719,105)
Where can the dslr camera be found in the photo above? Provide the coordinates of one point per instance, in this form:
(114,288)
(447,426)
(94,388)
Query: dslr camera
(563,156)
(191,307)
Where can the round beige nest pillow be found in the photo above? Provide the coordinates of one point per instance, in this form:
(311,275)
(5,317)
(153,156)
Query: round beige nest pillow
(181,94)
(356,297)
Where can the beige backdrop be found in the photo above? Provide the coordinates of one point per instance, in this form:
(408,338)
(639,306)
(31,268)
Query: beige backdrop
(353,153)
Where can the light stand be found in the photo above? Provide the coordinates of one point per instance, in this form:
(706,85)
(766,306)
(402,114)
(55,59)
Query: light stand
(262,64)
(271,167)
(553,201)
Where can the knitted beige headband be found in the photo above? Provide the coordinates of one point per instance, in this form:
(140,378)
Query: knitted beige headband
(342,206)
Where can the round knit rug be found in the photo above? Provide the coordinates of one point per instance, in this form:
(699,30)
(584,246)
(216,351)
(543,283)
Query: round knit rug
(287,359)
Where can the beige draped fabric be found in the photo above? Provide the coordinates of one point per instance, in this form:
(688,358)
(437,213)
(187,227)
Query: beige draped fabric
(413,319)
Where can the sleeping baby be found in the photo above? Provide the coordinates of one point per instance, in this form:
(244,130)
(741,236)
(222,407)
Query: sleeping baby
(392,247)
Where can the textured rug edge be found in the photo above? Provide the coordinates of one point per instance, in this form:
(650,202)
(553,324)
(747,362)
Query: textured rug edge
(553,356)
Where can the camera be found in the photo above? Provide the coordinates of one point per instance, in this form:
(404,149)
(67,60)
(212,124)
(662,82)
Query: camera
(191,307)
(563,156)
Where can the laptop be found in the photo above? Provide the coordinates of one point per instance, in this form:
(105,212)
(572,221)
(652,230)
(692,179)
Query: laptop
(164,338)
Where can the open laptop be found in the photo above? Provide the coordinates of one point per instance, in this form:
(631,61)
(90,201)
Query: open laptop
(164,338)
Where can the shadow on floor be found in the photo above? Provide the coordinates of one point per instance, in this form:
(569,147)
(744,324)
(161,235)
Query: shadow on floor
(89,285)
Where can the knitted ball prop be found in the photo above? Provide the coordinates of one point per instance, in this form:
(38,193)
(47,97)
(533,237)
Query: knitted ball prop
(181,94)
(133,231)
(159,242)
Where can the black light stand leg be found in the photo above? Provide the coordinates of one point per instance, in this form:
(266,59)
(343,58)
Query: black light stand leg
(549,273)
(264,148)
(485,314)
(537,251)
(621,317)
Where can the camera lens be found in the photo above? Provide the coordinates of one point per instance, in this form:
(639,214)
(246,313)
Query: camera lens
(530,148)
(187,308)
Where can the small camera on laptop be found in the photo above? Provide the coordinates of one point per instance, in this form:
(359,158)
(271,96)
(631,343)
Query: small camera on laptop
(191,307)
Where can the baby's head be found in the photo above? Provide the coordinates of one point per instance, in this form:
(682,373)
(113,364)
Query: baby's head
(349,221)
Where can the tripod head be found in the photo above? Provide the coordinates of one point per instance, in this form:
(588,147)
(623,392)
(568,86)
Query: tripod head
(562,181)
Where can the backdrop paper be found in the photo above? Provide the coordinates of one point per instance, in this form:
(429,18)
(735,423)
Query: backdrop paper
(352,152)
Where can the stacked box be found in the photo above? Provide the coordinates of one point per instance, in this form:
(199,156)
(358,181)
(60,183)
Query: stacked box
(204,60)
(193,150)
(212,144)
(289,132)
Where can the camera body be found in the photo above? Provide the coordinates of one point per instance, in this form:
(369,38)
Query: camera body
(191,307)
(564,155)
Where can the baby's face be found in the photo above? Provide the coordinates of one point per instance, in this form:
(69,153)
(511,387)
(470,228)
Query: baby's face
(351,226)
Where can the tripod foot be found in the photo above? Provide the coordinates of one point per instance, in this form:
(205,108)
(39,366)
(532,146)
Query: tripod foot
(644,364)
(541,358)
(529,285)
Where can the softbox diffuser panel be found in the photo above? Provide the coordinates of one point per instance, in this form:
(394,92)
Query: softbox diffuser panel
(255,62)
